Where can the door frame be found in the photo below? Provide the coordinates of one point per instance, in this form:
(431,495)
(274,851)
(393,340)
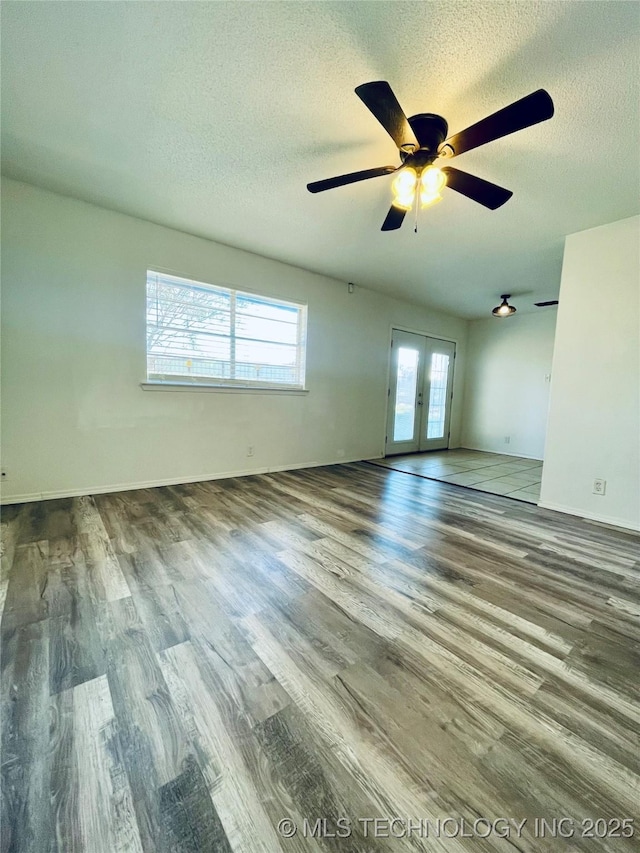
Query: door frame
(427,334)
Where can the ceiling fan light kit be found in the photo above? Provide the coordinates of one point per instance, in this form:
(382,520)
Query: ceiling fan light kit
(432,182)
(404,188)
(504,309)
(422,139)
(406,184)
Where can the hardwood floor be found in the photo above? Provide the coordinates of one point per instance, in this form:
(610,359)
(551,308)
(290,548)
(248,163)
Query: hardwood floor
(185,667)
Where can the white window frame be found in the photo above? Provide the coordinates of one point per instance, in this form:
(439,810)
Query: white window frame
(185,382)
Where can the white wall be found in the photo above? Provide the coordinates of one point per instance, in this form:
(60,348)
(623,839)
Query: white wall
(506,389)
(594,414)
(75,419)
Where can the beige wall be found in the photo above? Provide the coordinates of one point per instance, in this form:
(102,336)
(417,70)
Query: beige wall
(594,414)
(75,419)
(507,383)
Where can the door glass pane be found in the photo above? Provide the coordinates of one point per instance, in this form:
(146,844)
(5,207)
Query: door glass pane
(438,395)
(406,382)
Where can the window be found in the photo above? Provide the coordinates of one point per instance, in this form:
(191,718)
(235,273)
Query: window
(207,335)
(406,385)
(438,395)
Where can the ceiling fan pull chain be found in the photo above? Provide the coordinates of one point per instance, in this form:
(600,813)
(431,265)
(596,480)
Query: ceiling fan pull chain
(415,227)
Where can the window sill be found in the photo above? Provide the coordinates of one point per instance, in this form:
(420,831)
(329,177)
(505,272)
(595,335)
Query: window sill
(225,389)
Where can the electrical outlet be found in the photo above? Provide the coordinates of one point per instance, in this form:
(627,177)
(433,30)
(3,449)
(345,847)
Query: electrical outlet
(599,487)
(507,439)
(250,450)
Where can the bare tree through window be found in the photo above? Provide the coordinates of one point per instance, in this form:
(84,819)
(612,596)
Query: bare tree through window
(200,332)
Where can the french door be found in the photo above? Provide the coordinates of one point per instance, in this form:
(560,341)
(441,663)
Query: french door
(420,390)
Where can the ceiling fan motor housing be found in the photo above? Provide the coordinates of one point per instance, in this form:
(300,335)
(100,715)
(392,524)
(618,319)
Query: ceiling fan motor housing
(430,130)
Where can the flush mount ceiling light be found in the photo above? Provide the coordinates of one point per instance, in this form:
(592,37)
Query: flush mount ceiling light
(504,309)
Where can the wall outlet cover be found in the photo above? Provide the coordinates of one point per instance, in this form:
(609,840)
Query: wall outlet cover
(599,487)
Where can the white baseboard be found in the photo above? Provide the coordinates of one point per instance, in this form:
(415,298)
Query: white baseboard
(501,452)
(590,516)
(171,481)
(176,481)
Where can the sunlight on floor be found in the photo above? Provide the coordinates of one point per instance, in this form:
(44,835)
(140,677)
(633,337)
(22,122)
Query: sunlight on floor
(511,476)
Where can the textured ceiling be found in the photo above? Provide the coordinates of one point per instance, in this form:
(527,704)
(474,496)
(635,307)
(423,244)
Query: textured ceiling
(212,117)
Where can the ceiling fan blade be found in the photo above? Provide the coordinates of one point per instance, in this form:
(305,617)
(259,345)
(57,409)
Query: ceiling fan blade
(394,219)
(351,178)
(529,110)
(379,98)
(477,189)
(544,304)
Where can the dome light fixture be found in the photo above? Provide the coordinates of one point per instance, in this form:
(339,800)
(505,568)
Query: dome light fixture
(504,309)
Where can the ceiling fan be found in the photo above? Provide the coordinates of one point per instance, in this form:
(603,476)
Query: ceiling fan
(422,139)
(546,304)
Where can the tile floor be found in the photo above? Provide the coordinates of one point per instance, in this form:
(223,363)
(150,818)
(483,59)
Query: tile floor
(512,476)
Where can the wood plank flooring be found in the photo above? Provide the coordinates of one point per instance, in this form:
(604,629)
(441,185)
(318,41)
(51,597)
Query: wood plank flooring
(185,667)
